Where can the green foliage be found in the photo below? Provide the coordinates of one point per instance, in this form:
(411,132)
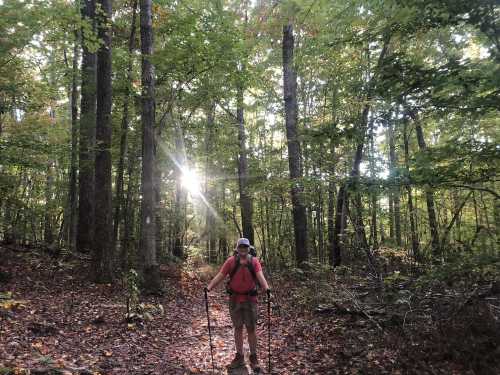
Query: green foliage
(466,267)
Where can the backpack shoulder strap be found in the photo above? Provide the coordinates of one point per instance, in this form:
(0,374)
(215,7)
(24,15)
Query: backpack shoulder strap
(250,266)
(235,267)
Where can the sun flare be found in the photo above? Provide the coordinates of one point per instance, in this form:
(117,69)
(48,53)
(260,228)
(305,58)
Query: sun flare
(191,181)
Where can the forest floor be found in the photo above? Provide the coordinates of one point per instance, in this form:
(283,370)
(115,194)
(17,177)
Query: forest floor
(53,321)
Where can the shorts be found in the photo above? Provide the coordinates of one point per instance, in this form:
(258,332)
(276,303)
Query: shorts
(244,313)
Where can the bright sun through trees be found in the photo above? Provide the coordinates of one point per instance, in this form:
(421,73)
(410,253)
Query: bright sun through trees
(191,181)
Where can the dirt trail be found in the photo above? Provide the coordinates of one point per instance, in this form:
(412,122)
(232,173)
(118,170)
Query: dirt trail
(66,323)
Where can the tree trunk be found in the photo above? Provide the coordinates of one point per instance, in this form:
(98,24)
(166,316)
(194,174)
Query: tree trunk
(294,154)
(48,235)
(340,223)
(180,194)
(119,201)
(209,188)
(73,188)
(351,184)
(374,194)
(103,240)
(395,189)
(429,197)
(245,196)
(129,217)
(149,263)
(413,220)
(86,176)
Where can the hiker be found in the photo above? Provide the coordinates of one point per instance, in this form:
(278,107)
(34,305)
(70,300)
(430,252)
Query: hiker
(245,272)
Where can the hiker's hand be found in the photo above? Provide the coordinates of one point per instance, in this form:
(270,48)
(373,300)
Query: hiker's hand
(206,290)
(268,291)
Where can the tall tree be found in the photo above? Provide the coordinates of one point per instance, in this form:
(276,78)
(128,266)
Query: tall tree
(119,201)
(86,177)
(429,194)
(294,154)
(415,245)
(245,196)
(210,193)
(149,263)
(180,192)
(395,193)
(73,173)
(103,238)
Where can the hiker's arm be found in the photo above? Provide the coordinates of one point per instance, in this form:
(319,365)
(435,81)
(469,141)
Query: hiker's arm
(262,280)
(215,281)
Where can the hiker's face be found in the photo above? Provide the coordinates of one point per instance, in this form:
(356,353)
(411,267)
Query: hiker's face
(243,250)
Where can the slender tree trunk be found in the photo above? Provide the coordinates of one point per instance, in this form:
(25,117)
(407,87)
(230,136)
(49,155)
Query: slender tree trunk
(343,200)
(245,196)
(340,222)
(103,240)
(374,195)
(294,154)
(86,176)
(391,215)
(395,189)
(130,212)
(496,214)
(119,201)
(429,197)
(331,218)
(149,263)
(412,212)
(48,234)
(73,174)
(180,194)
(209,189)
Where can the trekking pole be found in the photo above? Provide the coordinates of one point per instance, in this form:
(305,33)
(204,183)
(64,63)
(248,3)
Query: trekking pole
(209,329)
(269,330)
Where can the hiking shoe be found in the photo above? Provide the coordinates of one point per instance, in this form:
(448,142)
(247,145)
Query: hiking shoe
(254,363)
(238,361)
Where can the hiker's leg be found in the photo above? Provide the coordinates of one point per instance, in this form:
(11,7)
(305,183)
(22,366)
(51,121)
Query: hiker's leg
(251,313)
(252,340)
(238,339)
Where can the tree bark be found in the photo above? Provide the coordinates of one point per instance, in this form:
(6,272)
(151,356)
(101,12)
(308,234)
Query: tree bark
(119,201)
(412,212)
(73,174)
(374,194)
(149,263)
(48,234)
(294,153)
(209,188)
(180,193)
(103,239)
(86,177)
(343,200)
(429,197)
(395,189)
(245,196)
